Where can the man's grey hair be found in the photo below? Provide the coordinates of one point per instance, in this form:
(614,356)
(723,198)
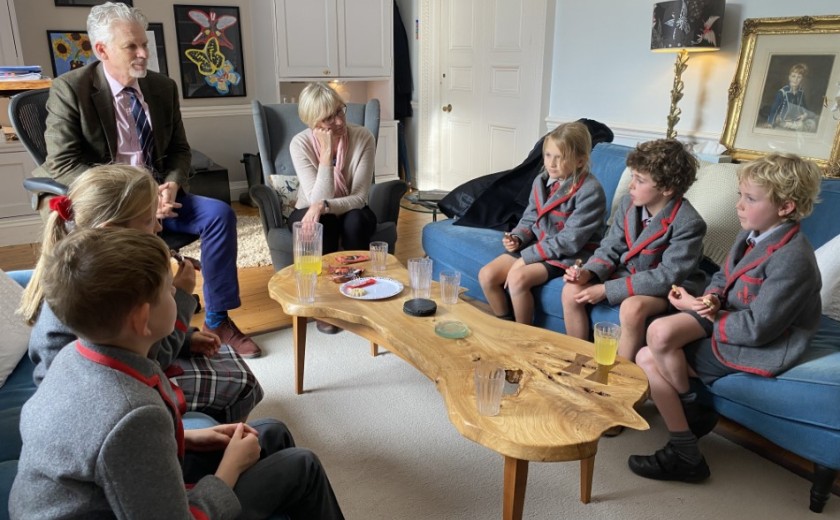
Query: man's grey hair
(102,16)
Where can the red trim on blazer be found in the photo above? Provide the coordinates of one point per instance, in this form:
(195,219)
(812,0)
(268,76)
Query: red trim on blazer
(181,326)
(730,281)
(665,222)
(542,210)
(153,382)
(629,283)
(198,514)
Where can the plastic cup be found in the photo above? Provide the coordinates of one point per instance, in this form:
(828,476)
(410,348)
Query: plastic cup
(420,277)
(306,283)
(450,283)
(378,256)
(308,242)
(489,383)
(606,342)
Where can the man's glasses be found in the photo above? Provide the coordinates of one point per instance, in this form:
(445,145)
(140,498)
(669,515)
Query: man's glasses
(341,112)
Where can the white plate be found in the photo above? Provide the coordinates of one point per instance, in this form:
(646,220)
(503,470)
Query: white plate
(383,288)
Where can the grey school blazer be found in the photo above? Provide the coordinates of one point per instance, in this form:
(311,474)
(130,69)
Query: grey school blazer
(635,260)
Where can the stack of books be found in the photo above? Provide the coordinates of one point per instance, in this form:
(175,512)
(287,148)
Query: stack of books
(20,72)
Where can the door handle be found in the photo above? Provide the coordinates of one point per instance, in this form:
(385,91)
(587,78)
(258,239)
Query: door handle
(447,108)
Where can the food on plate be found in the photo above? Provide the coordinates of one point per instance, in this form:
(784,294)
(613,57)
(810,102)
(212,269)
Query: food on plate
(344,273)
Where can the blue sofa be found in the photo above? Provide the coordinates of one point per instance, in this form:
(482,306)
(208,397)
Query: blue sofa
(799,410)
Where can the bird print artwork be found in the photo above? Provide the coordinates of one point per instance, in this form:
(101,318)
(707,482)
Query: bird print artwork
(707,33)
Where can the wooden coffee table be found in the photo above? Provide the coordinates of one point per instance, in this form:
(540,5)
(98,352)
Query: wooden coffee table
(564,401)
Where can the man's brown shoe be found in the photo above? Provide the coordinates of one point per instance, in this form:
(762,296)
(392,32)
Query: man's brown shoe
(230,334)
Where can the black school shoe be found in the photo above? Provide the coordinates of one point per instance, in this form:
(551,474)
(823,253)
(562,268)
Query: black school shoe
(666,464)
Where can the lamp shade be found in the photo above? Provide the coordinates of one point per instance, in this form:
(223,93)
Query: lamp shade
(692,25)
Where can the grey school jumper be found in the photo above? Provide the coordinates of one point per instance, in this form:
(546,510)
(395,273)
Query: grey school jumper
(99,443)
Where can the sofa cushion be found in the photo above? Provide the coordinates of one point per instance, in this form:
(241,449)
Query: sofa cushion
(18,389)
(828,260)
(444,243)
(807,393)
(13,329)
(608,164)
(821,225)
(286,187)
(714,195)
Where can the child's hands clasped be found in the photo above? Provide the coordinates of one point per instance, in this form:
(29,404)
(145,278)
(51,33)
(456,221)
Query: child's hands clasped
(204,343)
(242,452)
(577,275)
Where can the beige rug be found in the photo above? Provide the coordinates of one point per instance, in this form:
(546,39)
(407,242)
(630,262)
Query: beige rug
(253,249)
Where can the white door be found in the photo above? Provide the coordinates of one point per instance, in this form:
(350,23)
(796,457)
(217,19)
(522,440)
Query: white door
(490,86)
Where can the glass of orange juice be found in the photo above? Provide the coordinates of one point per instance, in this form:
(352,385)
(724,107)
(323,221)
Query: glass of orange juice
(606,342)
(307,246)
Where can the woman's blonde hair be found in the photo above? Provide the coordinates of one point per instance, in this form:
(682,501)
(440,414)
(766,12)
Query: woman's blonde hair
(109,195)
(786,177)
(318,101)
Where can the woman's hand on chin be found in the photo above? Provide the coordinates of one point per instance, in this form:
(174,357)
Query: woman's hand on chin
(325,142)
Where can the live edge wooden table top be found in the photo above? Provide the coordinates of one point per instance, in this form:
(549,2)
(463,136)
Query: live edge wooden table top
(564,401)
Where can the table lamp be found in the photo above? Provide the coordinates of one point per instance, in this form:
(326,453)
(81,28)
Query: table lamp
(684,26)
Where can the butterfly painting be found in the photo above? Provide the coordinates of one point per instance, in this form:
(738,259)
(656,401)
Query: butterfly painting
(210,47)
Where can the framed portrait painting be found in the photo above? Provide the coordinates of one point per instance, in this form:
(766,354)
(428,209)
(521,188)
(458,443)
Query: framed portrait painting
(210,51)
(786,91)
(69,50)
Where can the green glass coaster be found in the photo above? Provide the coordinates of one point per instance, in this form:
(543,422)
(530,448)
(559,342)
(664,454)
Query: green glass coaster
(452,330)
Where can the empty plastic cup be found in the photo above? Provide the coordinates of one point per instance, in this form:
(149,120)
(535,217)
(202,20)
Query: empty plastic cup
(450,283)
(489,383)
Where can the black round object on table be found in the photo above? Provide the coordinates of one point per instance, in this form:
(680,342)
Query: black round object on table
(420,307)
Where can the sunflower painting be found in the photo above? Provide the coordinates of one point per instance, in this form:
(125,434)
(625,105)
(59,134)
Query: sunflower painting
(69,50)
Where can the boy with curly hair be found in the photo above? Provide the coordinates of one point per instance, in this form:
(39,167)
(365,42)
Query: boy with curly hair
(654,242)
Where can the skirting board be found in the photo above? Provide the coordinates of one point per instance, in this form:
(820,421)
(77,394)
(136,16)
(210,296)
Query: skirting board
(21,230)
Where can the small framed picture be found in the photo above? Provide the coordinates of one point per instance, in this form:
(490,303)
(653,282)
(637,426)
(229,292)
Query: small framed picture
(210,51)
(69,50)
(88,3)
(157,49)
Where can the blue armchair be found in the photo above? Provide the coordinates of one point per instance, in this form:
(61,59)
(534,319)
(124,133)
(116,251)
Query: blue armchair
(276,125)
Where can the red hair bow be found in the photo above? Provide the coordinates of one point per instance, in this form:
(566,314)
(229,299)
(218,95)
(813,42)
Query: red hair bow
(63,206)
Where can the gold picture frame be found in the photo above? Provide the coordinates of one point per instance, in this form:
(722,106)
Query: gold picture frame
(785,96)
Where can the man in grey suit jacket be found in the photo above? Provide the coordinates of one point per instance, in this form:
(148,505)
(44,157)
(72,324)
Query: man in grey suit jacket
(115,110)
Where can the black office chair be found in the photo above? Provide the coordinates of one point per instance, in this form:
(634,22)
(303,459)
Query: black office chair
(28,113)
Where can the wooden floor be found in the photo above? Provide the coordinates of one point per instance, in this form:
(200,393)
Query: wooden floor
(259,313)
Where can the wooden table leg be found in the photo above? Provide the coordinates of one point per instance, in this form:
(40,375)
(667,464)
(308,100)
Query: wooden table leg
(374,349)
(299,330)
(516,479)
(587,468)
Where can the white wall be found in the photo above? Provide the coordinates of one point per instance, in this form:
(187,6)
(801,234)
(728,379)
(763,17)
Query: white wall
(603,68)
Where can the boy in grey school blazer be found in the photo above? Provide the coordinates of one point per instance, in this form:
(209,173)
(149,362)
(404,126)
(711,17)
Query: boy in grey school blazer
(655,241)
